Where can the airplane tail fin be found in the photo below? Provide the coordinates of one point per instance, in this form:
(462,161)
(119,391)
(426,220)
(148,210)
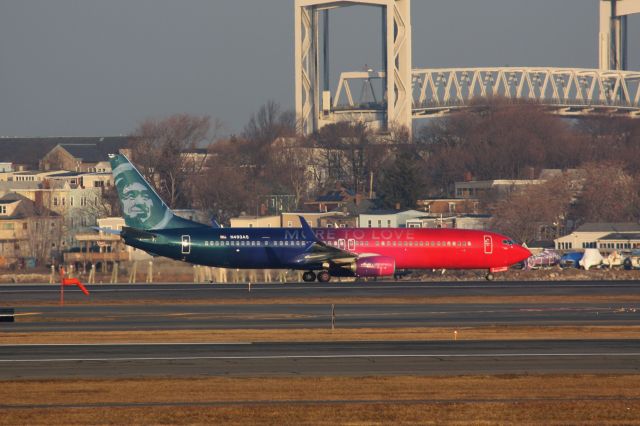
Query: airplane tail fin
(142,207)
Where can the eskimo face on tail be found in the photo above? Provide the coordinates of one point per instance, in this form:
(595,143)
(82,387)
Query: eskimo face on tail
(137,202)
(141,207)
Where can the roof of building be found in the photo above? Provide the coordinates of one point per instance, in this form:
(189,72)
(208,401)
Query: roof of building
(391,212)
(31,150)
(616,236)
(87,153)
(609,227)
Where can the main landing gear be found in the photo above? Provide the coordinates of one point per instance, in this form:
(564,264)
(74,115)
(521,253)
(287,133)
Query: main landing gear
(310,276)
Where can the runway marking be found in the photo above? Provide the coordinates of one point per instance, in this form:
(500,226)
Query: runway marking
(336,356)
(9,345)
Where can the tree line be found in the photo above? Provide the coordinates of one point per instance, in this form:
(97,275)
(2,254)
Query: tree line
(501,140)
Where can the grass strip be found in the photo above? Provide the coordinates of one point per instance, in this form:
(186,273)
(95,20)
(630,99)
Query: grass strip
(339,334)
(521,399)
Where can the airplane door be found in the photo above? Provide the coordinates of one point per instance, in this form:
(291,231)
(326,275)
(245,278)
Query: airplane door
(341,243)
(186,244)
(488,244)
(351,244)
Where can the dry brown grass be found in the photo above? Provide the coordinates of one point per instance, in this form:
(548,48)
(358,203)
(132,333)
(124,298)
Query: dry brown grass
(515,399)
(312,335)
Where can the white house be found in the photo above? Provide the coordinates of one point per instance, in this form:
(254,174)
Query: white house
(388,218)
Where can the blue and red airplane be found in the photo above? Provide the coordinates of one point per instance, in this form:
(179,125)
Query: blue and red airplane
(321,253)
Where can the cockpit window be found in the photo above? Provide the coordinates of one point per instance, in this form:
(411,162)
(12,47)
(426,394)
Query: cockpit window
(508,242)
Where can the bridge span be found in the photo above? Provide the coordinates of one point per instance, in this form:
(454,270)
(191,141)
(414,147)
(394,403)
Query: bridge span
(437,91)
(399,93)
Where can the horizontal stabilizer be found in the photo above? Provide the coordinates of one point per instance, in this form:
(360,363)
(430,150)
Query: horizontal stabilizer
(139,234)
(106,230)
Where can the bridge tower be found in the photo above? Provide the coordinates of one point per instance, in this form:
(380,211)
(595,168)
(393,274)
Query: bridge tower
(613,32)
(312,92)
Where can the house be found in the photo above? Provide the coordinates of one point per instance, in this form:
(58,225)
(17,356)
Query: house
(589,235)
(387,218)
(80,207)
(292,220)
(478,188)
(275,204)
(26,153)
(332,200)
(27,231)
(102,249)
(449,205)
(83,154)
(339,221)
(470,221)
(256,222)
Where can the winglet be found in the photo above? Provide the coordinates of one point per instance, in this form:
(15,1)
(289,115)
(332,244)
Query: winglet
(307,232)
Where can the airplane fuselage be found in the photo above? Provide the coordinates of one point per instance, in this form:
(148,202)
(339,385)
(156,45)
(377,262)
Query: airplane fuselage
(411,248)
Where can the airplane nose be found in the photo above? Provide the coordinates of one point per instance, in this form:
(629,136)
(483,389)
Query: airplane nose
(522,253)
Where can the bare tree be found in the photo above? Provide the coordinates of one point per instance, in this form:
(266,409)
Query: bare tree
(609,195)
(522,213)
(501,141)
(158,147)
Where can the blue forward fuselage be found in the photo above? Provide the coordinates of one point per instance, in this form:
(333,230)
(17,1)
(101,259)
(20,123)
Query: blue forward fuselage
(228,247)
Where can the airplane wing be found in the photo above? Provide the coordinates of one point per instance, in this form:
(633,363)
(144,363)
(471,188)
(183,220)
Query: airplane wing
(319,253)
(137,233)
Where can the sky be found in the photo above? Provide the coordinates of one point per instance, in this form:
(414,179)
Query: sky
(98,68)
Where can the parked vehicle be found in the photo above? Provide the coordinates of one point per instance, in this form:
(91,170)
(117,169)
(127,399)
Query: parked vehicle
(544,259)
(613,260)
(591,257)
(632,261)
(571,259)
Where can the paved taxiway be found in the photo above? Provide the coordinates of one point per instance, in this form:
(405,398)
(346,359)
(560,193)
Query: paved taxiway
(166,293)
(123,307)
(335,358)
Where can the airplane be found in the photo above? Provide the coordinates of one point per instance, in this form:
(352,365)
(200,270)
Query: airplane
(322,253)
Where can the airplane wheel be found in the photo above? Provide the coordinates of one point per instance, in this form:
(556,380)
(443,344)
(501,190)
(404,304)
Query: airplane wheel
(308,277)
(324,276)
(489,276)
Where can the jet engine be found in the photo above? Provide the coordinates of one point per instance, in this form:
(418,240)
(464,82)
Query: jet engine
(374,266)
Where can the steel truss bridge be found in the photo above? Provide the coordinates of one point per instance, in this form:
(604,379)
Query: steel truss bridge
(398,93)
(568,91)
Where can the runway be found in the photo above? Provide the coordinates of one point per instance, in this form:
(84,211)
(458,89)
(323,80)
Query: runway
(309,306)
(315,316)
(319,359)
